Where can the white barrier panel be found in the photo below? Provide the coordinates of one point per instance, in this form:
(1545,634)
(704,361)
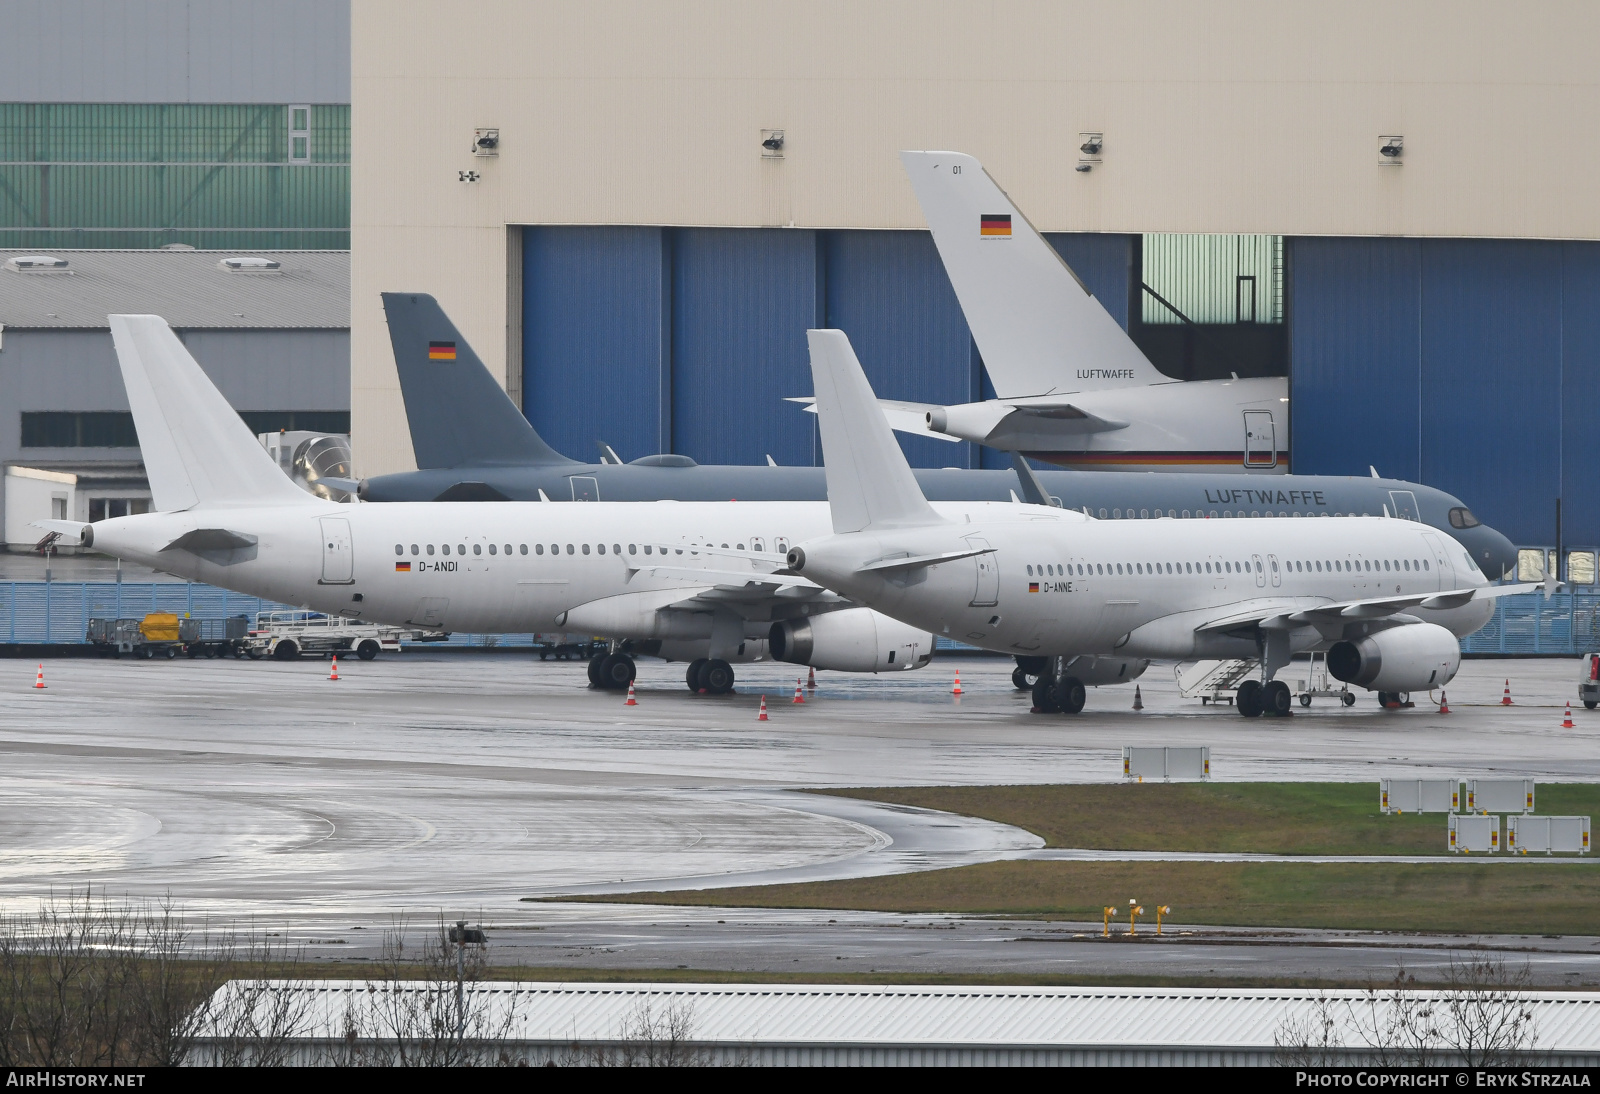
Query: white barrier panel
(1470,832)
(1500,795)
(1419,795)
(1166,763)
(1527,833)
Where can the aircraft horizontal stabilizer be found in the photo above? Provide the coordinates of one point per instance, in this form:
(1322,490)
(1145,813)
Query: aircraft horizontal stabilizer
(211,539)
(917,562)
(73,530)
(903,417)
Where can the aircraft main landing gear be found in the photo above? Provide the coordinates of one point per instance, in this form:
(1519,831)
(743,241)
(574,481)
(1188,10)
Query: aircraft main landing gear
(1058,696)
(709,676)
(611,671)
(1273,699)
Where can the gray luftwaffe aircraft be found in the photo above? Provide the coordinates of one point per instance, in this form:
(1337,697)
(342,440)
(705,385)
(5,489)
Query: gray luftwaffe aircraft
(472,443)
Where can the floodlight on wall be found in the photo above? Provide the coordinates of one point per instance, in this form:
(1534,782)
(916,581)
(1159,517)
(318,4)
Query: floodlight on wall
(1090,146)
(772,144)
(1391,151)
(486,142)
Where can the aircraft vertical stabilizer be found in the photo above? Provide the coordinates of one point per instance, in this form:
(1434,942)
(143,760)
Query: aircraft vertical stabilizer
(196,448)
(1039,330)
(459,415)
(870,484)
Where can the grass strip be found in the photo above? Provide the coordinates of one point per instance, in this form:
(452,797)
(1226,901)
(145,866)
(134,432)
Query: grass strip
(1272,818)
(1525,897)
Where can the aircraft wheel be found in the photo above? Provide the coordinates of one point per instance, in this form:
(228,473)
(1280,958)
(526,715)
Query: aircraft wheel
(1275,699)
(717,676)
(692,677)
(367,650)
(1019,680)
(594,671)
(1386,697)
(1044,696)
(285,650)
(1305,700)
(1070,695)
(1349,699)
(617,671)
(1248,700)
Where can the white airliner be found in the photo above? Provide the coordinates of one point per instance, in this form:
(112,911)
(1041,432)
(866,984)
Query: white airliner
(1073,389)
(628,571)
(1387,598)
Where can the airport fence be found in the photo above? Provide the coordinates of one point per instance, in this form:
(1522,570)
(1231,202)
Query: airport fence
(37,612)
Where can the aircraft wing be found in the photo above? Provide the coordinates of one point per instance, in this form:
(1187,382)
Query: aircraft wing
(1285,612)
(739,579)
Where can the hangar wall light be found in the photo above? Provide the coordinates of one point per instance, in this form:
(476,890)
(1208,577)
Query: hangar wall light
(1090,147)
(486,142)
(772,144)
(1391,151)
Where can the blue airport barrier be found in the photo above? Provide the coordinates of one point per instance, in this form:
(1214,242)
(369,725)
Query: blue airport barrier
(59,612)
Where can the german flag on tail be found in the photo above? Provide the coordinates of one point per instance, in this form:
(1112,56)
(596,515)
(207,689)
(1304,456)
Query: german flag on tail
(995,226)
(446,351)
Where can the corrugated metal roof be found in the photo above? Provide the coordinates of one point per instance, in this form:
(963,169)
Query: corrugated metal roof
(186,288)
(958,1017)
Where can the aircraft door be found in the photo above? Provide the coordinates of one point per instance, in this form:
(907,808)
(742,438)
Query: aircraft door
(1272,571)
(338,556)
(1260,439)
(1403,504)
(1442,565)
(986,593)
(584,487)
(1261,572)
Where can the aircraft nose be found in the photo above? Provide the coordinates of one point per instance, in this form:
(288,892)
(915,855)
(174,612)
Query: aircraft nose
(1493,552)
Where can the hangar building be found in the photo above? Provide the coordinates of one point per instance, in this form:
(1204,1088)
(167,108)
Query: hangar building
(1391,206)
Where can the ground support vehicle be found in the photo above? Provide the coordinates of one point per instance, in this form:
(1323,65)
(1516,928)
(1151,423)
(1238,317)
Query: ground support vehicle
(216,637)
(1317,684)
(567,647)
(1589,688)
(286,635)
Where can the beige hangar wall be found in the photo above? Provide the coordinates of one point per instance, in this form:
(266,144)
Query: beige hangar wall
(1238,116)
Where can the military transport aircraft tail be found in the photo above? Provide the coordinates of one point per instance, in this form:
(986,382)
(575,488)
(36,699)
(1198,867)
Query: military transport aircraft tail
(459,415)
(197,450)
(1039,330)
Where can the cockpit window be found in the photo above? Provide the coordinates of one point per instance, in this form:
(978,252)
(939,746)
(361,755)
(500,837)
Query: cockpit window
(1461,517)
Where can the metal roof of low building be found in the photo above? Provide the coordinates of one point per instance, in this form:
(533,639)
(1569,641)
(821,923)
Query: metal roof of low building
(189,289)
(1184,1019)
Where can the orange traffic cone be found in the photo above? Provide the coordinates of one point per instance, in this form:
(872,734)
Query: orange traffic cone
(1444,703)
(632,702)
(957,689)
(1138,700)
(797,696)
(38,681)
(762,717)
(811,680)
(1566,723)
(334,675)
(1505,700)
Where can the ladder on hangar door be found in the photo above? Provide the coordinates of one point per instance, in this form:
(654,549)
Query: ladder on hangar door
(1217,681)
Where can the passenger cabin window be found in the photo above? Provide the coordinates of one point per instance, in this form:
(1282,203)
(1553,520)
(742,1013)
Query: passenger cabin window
(571,550)
(461,548)
(413,548)
(399,550)
(430,548)
(477,548)
(524,548)
(445,548)
(601,547)
(493,551)
(585,548)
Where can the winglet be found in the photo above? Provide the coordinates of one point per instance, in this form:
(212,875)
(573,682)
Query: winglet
(196,448)
(1036,325)
(459,415)
(869,481)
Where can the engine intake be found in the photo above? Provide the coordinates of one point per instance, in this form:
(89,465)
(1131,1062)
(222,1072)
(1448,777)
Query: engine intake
(1408,658)
(851,640)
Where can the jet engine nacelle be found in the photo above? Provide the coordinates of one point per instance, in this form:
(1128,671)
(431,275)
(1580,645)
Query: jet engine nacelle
(1410,658)
(851,640)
